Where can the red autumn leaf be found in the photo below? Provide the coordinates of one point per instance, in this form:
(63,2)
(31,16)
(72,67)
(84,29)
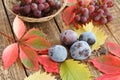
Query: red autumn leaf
(37,43)
(115,76)
(68,14)
(48,64)
(33,33)
(10,55)
(43,51)
(107,64)
(113,48)
(19,27)
(29,57)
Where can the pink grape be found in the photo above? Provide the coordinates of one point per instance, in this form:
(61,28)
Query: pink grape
(109,17)
(85,12)
(34,6)
(96,18)
(103,20)
(83,19)
(37,13)
(46,5)
(16,9)
(41,7)
(77,18)
(27,9)
(91,8)
(51,2)
(58,4)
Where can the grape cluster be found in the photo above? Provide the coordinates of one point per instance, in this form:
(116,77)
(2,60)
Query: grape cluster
(96,11)
(36,8)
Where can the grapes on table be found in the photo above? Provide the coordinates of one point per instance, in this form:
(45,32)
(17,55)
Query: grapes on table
(36,8)
(96,11)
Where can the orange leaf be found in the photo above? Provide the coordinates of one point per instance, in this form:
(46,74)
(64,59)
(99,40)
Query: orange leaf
(19,27)
(37,43)
(107,64)
(68,14)
(48,64)
(10,55)
(29,57)
(115,76)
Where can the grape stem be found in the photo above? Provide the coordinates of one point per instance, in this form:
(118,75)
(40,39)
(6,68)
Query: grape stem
(100,2)
(9,38)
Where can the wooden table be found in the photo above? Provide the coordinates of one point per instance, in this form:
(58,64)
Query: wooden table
(52,28)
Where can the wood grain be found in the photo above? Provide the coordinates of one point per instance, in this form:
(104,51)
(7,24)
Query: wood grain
(16,71)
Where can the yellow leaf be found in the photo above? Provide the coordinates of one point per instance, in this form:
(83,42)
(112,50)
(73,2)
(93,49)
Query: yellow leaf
(73,70)
(40,76)
(100,35)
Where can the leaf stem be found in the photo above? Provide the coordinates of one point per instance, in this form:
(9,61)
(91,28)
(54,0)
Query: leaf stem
(9,38)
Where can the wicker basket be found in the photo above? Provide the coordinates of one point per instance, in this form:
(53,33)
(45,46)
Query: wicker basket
(9,4)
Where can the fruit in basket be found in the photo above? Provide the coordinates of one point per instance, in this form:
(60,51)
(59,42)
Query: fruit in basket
(68,37)
(58,53)
(89,37)
(36,8)
(80,50)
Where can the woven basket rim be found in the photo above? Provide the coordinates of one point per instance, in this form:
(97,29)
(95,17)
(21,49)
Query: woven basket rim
(43,19)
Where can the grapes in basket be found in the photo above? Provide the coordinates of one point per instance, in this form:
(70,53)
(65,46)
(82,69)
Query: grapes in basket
(36,8)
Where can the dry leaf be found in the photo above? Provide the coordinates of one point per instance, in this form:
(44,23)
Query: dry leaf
(100,36)
(40,76)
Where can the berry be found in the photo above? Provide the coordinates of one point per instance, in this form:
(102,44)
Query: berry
(80,50)
(91,8)
(40,1)
(68,37)
(103,20)
(34,6)
(58,53)
(37,13)
(77,18)
(16,9)
(41,7)
(89,37)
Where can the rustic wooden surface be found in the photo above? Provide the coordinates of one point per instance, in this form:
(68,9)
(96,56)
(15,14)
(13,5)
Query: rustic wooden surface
(52,29)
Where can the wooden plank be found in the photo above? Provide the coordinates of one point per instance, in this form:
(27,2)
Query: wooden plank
(114,26)
(9,74)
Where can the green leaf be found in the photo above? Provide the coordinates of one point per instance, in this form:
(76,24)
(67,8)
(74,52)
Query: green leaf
(38,43)
(32,33)
(72,70)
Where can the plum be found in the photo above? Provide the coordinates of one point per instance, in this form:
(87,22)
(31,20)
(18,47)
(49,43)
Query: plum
(80,50)
(58,53)
(68,37)
(89,37)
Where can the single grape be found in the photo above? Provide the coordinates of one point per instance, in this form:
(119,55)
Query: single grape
(109,3)
(100,11)
(41,7)
(37,13)
(58,5)
(85,12)
(106,11)
(16,9)
(46,5)
(103,20)
(81,3)
(96,8)
(91,8)
(27,9)
(34,6)
(96,18)
(104,6)
(40,1)
(51,2)
(109,17)
(77,18)
(83,19)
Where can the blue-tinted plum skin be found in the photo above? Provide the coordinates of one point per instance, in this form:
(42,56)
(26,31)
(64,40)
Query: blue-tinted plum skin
(80,50)
(89,37)
(58,53)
